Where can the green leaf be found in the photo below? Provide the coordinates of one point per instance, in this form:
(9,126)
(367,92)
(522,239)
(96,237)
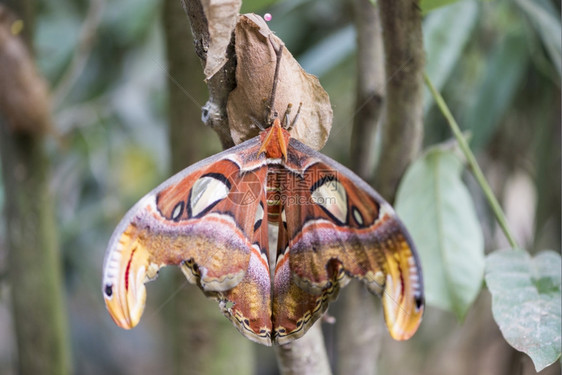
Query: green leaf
(504,73)
(439,213)
(526,301)
(445,34)
(542,15)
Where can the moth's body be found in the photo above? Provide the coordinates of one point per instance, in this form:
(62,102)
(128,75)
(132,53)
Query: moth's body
(212,220)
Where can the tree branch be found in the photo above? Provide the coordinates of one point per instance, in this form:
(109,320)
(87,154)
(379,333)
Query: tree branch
(31,233)
(305,356)
(402,133)
(370,91)
(222,82)
(359,329)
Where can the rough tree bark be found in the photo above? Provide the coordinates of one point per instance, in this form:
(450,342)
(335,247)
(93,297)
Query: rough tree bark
(34,269)
(204,342)
(222,83)
(359,328)
(370,91)
(305,356)
(402,132)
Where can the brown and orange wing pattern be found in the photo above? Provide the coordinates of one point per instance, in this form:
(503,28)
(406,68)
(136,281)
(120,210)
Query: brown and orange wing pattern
(248,304)
(336,221)
(294,309)
(212,220)
(198,219)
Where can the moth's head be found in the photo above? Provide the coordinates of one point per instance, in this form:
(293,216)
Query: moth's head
(126,269)
(274,141)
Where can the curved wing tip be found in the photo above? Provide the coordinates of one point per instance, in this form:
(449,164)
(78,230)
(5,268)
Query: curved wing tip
(123,313)
(406,323)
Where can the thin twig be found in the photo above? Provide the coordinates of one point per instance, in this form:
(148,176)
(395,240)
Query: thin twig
(81,52)
(471,159)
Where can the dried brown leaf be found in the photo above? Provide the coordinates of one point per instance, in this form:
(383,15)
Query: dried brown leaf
(247,103)
(221,17)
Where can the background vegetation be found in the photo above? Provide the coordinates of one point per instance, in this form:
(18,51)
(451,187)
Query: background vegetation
(498,64)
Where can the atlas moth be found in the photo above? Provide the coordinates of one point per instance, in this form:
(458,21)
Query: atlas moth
(211,220)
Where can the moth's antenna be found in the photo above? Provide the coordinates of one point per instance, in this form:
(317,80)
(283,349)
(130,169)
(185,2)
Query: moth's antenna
(278,53)
(256,123)
(286,116)
(289,127)
(286,124)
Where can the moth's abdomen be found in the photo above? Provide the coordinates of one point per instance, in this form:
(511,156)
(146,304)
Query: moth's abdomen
(275,192)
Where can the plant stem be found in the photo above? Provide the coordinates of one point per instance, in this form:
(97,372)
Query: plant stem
(496,208)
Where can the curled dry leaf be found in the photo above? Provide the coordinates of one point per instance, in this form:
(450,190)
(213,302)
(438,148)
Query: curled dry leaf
(248,102)
(221,17)
(24,97)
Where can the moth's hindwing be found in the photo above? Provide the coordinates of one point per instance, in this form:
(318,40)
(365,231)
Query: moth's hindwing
(341,222)
(248,304)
